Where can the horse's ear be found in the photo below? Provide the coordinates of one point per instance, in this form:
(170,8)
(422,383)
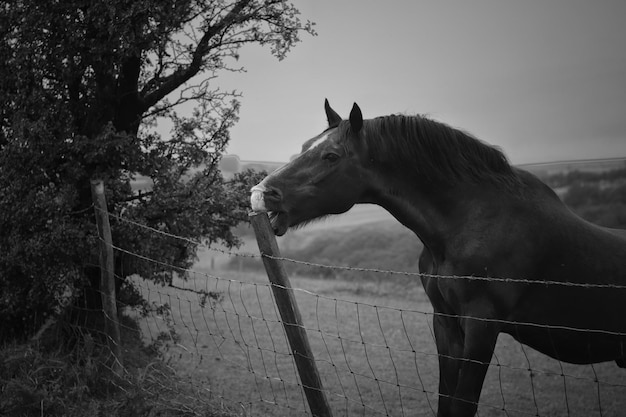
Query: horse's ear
(331,115)
(356,118)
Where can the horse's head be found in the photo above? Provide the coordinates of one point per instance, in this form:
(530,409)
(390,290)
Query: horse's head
(326,178)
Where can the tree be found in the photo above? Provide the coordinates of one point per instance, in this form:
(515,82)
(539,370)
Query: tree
(86,87)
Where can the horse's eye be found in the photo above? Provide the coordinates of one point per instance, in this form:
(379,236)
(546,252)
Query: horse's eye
(331,157)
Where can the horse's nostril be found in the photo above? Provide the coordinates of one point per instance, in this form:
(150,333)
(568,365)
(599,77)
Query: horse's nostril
(273,194)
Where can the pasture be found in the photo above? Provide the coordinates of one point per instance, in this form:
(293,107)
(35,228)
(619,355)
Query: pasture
(373,343)
(371,335)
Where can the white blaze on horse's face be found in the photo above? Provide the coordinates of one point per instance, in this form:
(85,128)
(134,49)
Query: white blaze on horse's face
(318,142)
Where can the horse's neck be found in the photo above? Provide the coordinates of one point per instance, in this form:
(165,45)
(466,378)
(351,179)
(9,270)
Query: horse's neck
(435,215)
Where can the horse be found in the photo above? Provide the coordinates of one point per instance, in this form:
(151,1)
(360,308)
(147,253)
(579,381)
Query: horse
(502,252)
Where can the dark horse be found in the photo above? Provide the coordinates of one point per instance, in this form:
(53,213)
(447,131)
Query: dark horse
(560,282)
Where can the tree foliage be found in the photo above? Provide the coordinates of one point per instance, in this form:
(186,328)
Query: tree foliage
(87,88)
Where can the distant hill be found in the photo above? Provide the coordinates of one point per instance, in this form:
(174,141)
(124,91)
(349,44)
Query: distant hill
(561,167)
(366,213)
(231,164)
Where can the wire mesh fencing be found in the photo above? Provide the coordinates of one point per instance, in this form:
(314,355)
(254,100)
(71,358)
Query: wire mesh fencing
(373,343)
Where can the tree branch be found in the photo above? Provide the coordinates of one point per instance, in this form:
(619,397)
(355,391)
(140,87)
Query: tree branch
(186,72)
(138,196)
(128,112)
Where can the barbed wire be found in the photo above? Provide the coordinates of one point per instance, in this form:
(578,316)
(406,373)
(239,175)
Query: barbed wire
(526,281)
(311,293)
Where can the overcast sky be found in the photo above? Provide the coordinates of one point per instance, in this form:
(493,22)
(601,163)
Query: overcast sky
(545,80)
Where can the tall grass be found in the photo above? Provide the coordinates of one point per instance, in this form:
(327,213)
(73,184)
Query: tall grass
(75,380)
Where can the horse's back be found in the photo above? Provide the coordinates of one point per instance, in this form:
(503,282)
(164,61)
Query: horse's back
(572,248)
(583,303)
(598,252)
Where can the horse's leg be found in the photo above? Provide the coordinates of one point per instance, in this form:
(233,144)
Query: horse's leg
(449,340)
(479,343)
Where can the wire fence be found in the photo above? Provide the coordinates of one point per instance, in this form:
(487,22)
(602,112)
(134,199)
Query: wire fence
(373,343)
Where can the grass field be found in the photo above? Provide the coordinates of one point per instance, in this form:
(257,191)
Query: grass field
(373,344)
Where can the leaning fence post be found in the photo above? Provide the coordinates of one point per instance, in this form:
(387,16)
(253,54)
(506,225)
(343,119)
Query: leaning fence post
(107,273)
(291,317)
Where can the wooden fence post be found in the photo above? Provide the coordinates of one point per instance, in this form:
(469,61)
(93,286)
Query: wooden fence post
(291,317)
(107,274)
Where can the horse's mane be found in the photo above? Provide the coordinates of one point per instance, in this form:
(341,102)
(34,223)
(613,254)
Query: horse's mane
(434,151)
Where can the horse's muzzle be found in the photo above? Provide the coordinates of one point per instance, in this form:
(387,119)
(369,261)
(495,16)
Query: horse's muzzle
(263,198)
(257,198)
(269,199)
